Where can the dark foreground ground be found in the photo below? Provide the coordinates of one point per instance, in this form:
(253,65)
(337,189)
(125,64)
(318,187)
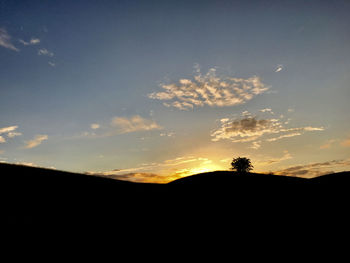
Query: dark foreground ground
(34,196)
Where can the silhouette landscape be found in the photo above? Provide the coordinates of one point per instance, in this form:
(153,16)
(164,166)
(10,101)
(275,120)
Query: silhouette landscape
(175,116)
(45,196)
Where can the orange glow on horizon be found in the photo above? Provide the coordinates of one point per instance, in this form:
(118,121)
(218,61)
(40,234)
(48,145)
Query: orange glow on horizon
(196,170)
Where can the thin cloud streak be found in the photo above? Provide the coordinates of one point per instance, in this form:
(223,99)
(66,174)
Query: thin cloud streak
(8,129)
(314,169)
(5,40)
(95,126)
(38,139)
(32,41)
(13,134)
(134,124)
(145,172)
(279,68)
(270,161)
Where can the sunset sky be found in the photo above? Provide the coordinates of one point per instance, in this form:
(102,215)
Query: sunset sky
(155,90)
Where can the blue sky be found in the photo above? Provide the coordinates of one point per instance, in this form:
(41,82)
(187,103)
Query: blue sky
(162,89)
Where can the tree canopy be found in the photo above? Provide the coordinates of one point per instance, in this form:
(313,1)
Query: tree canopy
(242,165)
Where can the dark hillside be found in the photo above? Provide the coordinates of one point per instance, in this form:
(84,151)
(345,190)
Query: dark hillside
(45,195)
(340,178)
(224,178)
(251,186)
(49,196)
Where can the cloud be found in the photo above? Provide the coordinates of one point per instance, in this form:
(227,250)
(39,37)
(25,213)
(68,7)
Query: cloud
(267,110)
(13,134)
(143,177)
(31,165)
(250,129)
(169,170)
(10,133)
(95,126)
(45,52)
(328,144)
(8,129)
(279,68)
(345,143)
(314,169)
(167,134)
(209,89)
(256,145)
(269,161)
(38,139)
(284,136)
(5,40)
(32,41)
(51,64)
(313,128)
(133,124)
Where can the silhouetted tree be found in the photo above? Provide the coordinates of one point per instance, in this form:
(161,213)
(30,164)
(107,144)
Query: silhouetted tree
(241,165)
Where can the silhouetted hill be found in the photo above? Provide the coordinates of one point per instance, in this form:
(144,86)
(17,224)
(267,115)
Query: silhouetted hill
(43,195)
(228,178)
(336,178)
(46,196)
(257,184)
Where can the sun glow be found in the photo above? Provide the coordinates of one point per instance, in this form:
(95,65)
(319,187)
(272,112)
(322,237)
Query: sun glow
(196,170)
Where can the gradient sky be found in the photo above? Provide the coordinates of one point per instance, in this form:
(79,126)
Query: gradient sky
(156,90)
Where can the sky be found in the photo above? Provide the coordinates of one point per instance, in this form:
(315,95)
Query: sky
(151,91)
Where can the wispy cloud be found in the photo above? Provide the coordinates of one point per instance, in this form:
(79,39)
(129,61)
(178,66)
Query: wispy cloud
(209,89)
(270,161)
(10,132)
(52,64)
(30,164)
(180,166)
(8,129)
(256,145)
(38,139)
(45,52)
(133,124)
(32,41)
(142,177)
(250,129)
(120,125)
(95,126)
(167,134)
(328,144)
(346,142)
(293,134)
(315,169)
(279,68)
(5,40)
(13,134)
(267,110)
